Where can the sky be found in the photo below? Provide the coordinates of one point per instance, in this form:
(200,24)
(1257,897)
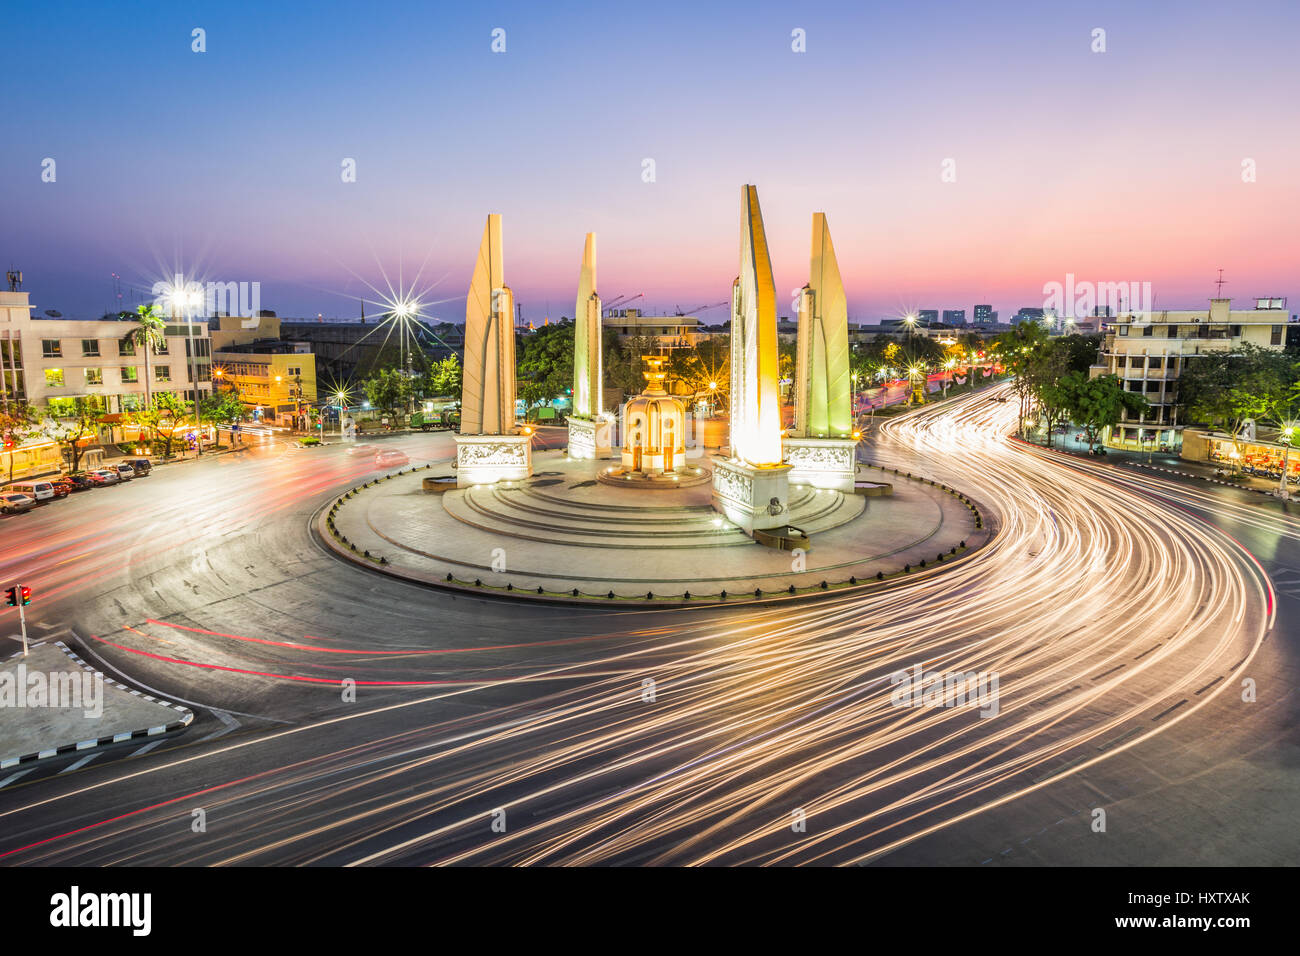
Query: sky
(962,152)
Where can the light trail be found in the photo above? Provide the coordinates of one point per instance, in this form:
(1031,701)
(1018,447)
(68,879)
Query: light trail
(1108,609)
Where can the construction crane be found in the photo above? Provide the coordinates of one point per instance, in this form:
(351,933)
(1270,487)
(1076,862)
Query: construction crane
(622,302)
(702,308)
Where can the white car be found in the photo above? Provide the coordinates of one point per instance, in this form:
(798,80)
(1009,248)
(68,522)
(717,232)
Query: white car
(11,504)
(124,471)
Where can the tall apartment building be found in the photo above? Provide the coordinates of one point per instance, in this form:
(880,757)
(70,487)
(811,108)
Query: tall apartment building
(1149,351)
(984,314)
(927,316)
(52,362)
(954,316)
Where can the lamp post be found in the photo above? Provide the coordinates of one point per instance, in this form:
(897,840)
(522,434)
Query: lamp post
(1287,434)
(181,301)
(949,364)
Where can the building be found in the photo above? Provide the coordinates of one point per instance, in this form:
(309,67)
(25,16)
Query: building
(1028,314)
(52,362)
(275,381)
(1148,352)
(984,314)
(666,331)
(954,316)
(927,316)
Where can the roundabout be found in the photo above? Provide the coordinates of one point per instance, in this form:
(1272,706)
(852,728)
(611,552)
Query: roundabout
(562,534)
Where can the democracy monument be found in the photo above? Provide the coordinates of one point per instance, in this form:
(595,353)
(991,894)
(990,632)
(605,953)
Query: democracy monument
(633,508)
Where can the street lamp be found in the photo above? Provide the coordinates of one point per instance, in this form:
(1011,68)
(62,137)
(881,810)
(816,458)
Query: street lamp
(1288,433)
(183,300)
(949,364)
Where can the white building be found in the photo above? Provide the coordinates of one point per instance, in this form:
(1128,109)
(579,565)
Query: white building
(51,362)
(1148,352)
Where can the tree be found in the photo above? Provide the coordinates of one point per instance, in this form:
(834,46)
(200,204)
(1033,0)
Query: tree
(444,378)
(1096,404)
(223,407)
(73,431)
(388,390)
(544,366)
(623,366)
(148,334)
(18,422)
(1018,351)
(159,420)
(1228,390)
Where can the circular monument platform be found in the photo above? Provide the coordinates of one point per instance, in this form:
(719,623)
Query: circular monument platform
(562,534)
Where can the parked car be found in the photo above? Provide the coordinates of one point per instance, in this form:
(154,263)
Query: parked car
(105,476)
(391,458)
(12,504)
(61,487)
(124,471)
(79,481)
(142,466)
(36,490)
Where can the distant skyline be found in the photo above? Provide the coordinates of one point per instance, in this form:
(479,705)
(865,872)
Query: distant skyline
(1129,165)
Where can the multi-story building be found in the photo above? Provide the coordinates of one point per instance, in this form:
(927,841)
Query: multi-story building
(52,362)
(954,316)
(274,381)
(666,331)
(1028,314)
(927,316)
(1149,351)
(984,314)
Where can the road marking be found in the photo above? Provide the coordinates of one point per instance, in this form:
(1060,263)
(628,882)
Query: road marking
(14,776)
(230,724)
(80,763)
(86,646)
(146,748)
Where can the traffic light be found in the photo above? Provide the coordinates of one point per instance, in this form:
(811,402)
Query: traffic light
(26,595)
(18,595)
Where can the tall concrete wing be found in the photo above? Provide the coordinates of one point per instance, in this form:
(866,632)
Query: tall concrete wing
(488,394)
(587,358)
(823,394)
(755,361)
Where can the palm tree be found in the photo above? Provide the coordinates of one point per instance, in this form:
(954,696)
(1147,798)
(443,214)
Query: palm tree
(149,333)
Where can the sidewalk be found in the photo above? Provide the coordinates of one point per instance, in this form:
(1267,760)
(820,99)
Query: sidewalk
(1157,461)
(52,702)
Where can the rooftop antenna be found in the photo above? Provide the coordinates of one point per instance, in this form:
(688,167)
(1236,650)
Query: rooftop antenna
(1219,294)
(15,277)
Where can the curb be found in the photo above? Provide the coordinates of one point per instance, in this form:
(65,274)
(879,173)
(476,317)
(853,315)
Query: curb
(184,720)
(1190,474)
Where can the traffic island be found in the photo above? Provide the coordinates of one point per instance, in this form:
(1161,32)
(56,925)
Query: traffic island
(562,535)
(52,702)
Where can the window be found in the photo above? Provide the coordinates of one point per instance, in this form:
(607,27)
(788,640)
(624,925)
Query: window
(130,374)
(51,348)
(163,373)
(54,378)
(161,348)
(90,348)
(1277,335)
(125,347)
(94,376)
(1148,330)
(1123,330)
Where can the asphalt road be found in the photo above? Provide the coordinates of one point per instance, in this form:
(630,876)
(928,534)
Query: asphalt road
(1117,609)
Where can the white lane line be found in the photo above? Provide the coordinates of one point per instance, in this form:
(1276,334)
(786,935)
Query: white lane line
(14,776)
(146,748)
(81,763)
